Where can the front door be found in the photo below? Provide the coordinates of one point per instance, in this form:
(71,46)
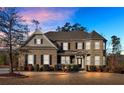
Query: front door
(80,61)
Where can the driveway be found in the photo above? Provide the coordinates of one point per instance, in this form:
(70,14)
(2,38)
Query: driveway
(61,78)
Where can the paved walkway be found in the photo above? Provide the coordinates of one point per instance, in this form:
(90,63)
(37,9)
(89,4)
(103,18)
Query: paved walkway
(61,78)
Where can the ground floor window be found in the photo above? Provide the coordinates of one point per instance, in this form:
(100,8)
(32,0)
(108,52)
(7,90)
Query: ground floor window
(97,60)
(46,59)
(65,59)
(104,63)
(31,59)
(88,60)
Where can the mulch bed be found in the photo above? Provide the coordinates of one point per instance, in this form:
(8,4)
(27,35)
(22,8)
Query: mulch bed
(13,75)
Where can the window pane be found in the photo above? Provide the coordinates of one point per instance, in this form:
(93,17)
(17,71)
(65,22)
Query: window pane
(65,46)
(97,45)
(46,59)
(104,63)
(97,60)
(79,45)
(103,46)
(65,60)
(88,60)
(87,45)
(38,41)
(31,59)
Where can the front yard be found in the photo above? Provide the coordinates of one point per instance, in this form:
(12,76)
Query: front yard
(63,78)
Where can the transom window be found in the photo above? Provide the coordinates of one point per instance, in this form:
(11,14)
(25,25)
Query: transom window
(97,60)
(88,44)
(65,60)
(65,46)
(97,45)
(79,45)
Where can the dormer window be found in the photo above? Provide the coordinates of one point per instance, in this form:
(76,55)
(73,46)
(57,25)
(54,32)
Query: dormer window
(38,41)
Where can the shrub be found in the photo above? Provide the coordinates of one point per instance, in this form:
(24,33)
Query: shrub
(58,67)
(46,68)
(36,67)
(30,67)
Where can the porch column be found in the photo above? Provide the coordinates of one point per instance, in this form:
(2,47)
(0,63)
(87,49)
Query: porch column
(85,60)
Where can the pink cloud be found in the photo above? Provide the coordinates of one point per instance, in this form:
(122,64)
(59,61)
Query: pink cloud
(46,15)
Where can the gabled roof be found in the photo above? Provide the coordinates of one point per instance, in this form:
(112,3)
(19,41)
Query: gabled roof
(74,35)
(38,32)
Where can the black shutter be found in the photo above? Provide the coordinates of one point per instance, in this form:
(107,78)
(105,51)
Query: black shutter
(83,45)
(76,45)
(34,41)
(41,59)
(61,46)
(34,59)
(68,46)
(50,56)
(41,41)
(26,59)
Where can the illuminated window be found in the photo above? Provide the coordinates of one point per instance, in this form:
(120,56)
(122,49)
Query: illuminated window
(97,60)
(79,45)
(88,45)
(65,60)
(97,45)
(65,46)
(88,60)
(46,59)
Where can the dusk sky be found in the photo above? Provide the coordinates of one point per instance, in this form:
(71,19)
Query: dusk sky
(106,21)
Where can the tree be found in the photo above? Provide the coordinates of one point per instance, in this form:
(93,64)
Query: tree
(116,46)
(36,22)
(13,27)
(68,27)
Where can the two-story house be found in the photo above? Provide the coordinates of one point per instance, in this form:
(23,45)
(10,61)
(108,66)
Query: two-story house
(51,48)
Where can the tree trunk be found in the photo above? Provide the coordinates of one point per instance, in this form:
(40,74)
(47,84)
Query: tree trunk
(10,46)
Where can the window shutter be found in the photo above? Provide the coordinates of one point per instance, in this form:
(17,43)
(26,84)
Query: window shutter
(41,59)
(83,46)
(61,46)
(68,46)
(34,59)
(76,45)
(50,59)
(41,41)
(26,59)
(34,41)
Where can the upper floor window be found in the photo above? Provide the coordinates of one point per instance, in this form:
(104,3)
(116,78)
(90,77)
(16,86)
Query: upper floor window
(79,45)
(97,45)
(104,46)
(65,46)
(97,60)
(38,41)
(88,44)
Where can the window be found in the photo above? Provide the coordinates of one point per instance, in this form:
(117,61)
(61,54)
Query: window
(65,46)
(88,60)
(104,63)
(38,41)
(97,60)
(65,60)
(87,45)
(97,45)
(46,59)
(79,45)
(104,46)
(31,59)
